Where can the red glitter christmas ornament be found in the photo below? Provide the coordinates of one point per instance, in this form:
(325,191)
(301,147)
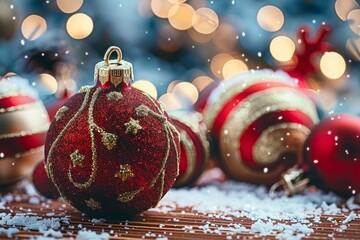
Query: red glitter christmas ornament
(331,158)
(111,150)
(23,125)
(194,145)
(259,121)
(42,182)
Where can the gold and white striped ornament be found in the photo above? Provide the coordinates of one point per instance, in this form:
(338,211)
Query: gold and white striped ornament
(259,121)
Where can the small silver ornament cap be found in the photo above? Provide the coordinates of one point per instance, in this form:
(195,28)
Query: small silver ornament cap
(293,181)
(114,71)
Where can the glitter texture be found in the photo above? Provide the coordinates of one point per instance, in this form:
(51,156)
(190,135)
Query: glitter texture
(95,126)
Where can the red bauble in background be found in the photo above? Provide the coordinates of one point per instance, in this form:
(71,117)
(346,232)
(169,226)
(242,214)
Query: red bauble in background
(332,153)
(61,96)
(194,144)
(42,182)
(259,121)
(204,96)
(111,150)
(23,125)
(331,158)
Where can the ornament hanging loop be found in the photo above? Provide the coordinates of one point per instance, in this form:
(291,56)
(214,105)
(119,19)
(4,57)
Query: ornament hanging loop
(110,51)
(113,72)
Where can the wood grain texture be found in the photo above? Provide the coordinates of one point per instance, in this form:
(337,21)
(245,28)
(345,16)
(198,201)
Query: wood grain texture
(181,224)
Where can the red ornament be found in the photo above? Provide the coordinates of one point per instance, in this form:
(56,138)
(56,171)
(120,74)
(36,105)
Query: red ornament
(42,182)
(259,121)
(204,96)
(331,158)
(195,148)
(308,51)
(23,126)
(111,150)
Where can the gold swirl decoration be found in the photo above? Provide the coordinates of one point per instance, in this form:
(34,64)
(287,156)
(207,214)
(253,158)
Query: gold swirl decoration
(279,139)
(227,90)
(109,141)
(252,108)
(190,153)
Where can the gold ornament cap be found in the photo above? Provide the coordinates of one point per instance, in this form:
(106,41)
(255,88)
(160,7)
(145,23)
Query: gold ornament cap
(294,180)
(115,71)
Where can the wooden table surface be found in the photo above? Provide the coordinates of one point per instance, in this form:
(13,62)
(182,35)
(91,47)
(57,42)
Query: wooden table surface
(178,224)
(150,225)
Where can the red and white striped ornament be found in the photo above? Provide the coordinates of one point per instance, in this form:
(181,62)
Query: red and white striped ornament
(23,125)
(260,121)
(194,145)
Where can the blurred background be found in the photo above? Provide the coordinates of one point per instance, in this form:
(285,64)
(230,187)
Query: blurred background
(179,47)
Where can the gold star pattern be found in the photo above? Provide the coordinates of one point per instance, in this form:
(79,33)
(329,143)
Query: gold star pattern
(114,96)
(128,196)
(109,140)
(124,172)
(94,205)
(77,158)
(85,89)
(142,110)
(133,126)
(60,113)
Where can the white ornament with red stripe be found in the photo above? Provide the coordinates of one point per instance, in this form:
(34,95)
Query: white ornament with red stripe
(194,145)
(23,126)
(259,121)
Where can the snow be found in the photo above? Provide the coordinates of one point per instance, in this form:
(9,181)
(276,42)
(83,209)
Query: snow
(280,217)
(88,234)
(349,218)
(52,233)
(9,232)
(284,217)
(30,222)
(351,204)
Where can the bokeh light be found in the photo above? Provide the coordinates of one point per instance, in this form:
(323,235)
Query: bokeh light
(69,84)
(9,74)
(180,16)
(205,20)
(79,26)
(225,37)
(353,47)
(343,7)
(161,8)
(202,82)
(146,86)
(69,6)
(49,82)
(233,67)
(171,85)
(217,64)
(186,92)
(33,27)
(282,48)
(177,1)
(270,18)
(354,21)
(170,101)
(332,65)
(199,37)
(144,8)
